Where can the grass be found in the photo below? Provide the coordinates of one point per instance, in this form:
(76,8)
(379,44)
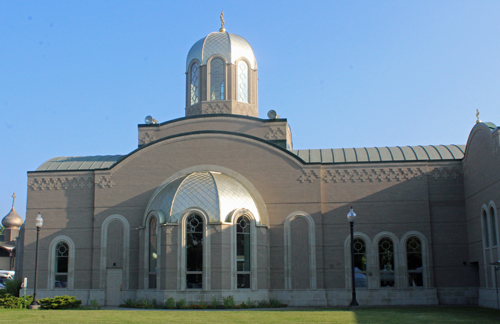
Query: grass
(410,315)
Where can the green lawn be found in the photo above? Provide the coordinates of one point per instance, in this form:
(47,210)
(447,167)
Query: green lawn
(288,315)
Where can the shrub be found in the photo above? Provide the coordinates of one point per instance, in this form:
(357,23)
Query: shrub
(94,304)
(262,304)
(9,301)
(60,302)
(274,302)
(181,304)
(214,302)
(12,286)
(170,303)
(228,301)
(128,303)
(203,305)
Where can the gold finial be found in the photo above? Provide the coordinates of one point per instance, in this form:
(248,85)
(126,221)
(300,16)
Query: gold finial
(222,22)
(477,116)
(13,199)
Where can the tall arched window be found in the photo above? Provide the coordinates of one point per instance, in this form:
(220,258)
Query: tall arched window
(194,82)
(61,266)
(493,227)
(194,252)
(486,230)
(386,262)
(414,261)
(217,79)
(242,80)
(359,263)
(153,252)
(243,252)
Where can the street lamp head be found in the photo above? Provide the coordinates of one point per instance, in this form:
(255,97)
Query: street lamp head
(351,216)
(39,220)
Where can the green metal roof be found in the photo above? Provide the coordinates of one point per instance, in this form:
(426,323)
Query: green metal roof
(72,163)
(383,154)
(342,155)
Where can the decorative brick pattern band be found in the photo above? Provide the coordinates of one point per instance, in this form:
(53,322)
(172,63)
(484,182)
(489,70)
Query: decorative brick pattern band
(147,138)
(64,183)
(60,183)
(377,175)
(275,133)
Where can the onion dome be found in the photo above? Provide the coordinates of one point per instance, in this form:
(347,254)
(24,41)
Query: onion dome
(12,219)
(217,194)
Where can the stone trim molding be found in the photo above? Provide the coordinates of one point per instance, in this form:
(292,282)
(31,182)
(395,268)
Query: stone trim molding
(288,248)
(181,257)
(253,248)
(61,183)
(52,262)
(104,246)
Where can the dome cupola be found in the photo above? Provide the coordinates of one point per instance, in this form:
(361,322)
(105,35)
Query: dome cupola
(217,195)
(221,76)
(12,220)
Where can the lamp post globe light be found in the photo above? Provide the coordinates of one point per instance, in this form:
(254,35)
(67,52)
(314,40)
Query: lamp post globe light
(38,223)
(351,216)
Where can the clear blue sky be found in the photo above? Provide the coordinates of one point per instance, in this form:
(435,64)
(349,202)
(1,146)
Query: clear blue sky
(76,77)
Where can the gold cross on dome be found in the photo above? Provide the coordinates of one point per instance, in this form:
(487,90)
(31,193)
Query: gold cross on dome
(222,22)
(13,198)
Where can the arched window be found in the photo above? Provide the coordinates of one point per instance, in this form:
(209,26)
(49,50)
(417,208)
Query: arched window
(194,252)
(61,266)
(194,82)
(243,252)
(153,252)
(486,230)
(242,80)
(217,79)
(359,263)
(386,262)
(493,227)
(414,261)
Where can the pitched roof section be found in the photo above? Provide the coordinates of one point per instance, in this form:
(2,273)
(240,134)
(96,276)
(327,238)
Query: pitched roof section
(71,163)
(383,154)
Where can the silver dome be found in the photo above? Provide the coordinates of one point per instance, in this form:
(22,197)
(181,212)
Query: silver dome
(231,46)
(218,195)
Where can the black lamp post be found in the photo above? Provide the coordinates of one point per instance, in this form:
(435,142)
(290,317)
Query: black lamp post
(39,222)
(350,217)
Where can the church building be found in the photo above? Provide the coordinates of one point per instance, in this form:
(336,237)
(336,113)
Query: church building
(219,203)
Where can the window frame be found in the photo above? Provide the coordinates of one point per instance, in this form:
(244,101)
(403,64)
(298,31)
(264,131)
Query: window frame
(53,259)
(248,78)
(190,83)
(223,89)
(181,268)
